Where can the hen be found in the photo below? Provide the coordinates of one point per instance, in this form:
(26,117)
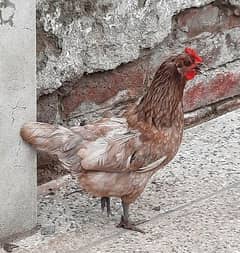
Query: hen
(117,156)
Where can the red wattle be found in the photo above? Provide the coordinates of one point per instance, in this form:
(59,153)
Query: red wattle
(190,74)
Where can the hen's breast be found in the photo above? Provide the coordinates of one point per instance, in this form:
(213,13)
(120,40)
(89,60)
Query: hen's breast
(172,138)
(128,184)
(159,143)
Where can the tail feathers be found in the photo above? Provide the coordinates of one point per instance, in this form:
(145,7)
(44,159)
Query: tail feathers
(54,140)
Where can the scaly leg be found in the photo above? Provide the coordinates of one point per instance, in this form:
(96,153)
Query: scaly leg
(125,223)
(105,202)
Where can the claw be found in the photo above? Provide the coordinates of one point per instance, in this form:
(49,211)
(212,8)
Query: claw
(9,247)
(127,225)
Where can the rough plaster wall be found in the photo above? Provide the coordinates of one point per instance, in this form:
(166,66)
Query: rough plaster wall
(17,105)
(95,57)
(100,35)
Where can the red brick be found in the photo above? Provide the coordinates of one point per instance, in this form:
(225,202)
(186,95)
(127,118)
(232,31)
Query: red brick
(210,18)
(212,111)
(100,87)
(222,86)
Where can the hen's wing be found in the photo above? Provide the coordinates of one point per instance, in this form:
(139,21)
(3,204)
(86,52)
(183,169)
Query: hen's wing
(109,153)
(100,146)
(107,145)
(120,150)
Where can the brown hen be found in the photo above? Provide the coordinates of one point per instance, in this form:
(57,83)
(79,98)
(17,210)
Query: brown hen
(117,156)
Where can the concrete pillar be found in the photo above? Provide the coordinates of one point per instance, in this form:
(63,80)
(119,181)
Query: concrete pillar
(17,105)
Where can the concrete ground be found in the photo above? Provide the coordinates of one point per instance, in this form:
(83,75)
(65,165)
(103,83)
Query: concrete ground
(193,205)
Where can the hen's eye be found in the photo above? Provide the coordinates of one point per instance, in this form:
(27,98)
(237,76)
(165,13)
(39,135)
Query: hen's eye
(180,65)
(187,63)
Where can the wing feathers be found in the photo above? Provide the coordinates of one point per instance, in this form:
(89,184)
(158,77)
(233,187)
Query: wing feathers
(152,166)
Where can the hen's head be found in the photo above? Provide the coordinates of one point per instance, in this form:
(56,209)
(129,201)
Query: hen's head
(188,63)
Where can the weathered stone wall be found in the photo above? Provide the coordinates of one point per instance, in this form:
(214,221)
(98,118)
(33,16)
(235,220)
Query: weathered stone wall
(94,57)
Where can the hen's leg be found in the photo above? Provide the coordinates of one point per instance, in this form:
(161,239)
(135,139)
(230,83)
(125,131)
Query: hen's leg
(105,202)
(125,223)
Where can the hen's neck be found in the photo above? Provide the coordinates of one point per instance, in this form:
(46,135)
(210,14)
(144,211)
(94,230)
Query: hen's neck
(160,105)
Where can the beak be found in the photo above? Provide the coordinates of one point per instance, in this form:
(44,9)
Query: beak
(199,70)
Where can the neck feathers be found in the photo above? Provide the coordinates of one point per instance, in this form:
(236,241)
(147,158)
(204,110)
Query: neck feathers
(160,105)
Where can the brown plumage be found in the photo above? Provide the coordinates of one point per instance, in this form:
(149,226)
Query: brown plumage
(117,156)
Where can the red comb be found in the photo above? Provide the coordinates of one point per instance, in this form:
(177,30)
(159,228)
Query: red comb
(194,54)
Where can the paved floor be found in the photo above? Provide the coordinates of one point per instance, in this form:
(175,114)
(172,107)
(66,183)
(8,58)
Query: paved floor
(191,206)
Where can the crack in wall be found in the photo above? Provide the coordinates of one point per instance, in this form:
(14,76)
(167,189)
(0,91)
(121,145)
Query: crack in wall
(224,65)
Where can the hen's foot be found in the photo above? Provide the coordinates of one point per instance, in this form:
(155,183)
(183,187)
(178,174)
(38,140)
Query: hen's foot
(128,225)
(9,247)
(105,202)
